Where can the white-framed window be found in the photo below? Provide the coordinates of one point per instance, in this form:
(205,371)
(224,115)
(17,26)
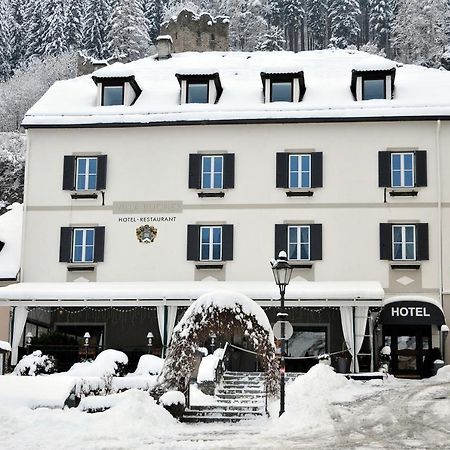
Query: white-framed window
(210,243)
(113,94)
(300,171)
(404,242)
(281,91)
(83,244)
(212,172)
(299,242)
(86,173)
(402,169)
(197,92)
(374,88)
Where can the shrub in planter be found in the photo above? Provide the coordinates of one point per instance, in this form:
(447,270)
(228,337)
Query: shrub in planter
(35,364)
(174,402)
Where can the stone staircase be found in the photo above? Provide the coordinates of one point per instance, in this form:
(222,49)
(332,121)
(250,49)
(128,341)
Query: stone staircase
(240,397)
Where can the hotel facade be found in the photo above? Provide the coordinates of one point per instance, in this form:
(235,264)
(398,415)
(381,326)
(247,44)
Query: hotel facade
(152,182)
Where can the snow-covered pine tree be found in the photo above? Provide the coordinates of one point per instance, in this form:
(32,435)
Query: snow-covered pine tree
(54,37)
(5,40)
(344,22)
(128,36)
(380,19)
(74,23)
(34,20)
(153,12)
(272,40)
(19,32)
(96,28)
(420,31)
(317,21)
(294,14)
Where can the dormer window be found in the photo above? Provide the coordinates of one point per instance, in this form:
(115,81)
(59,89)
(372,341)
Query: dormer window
(116,91)
(283,87)
(372,84)
(203,88)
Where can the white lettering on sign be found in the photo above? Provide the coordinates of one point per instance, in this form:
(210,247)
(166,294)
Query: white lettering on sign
(409,311)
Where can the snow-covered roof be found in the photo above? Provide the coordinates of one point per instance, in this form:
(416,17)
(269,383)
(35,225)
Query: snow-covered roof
(5,346)
(419,91)
(11,236)
(145,292)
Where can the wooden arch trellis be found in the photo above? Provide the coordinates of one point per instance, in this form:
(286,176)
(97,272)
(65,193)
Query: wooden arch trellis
(221,313)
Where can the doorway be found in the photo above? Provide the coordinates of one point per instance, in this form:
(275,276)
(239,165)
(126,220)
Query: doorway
(409,346)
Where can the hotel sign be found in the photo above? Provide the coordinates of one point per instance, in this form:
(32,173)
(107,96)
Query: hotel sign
(411,313)
(156,207)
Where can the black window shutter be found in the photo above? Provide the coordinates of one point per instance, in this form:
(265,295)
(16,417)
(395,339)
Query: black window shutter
(65,244)
(195,168)
(101,171)
(282,170)
(421,168)
(69,173)
(281,243)
(315,242)
(227,242)
(386,241)
(384,169)
(99,244)
(316,169)
(193,243)
(228,171)
(422,245)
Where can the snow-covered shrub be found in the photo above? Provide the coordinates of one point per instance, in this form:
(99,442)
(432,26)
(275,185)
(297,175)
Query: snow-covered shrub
(35,364)
(225,314)
(174,402)
(111,362)
(385,359)
(148,365)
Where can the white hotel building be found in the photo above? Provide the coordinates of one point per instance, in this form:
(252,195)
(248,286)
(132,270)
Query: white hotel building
(152,182)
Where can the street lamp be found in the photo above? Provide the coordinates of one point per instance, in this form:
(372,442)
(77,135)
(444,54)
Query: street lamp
(86,336)
(282,272)
(149,341)
(28,338)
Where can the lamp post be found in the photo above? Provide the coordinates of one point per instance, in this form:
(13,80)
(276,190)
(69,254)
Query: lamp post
(149,341)
(86,336)
(28,338)
(213,337)
(282,272)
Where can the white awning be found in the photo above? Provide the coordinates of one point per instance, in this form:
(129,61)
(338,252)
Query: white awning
(182,293)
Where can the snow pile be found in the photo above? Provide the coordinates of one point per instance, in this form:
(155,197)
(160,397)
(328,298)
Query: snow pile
(310,399)
(172,398)
(49,391)
(35,364)
(148,365)
(208,366)
(11,236)
(107,362)
(5,346)
(225,300)
(443,374)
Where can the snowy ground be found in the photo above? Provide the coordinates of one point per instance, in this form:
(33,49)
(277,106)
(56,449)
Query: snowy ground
(398,414)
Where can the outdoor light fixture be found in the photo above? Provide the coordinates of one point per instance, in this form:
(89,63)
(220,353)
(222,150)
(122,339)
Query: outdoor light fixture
(150,340)
(213,337)
(28,338)
(86,336)
(282,272)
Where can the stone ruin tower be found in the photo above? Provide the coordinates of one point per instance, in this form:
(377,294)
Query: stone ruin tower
(192,33)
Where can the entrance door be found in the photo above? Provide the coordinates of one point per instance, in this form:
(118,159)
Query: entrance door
(409,345)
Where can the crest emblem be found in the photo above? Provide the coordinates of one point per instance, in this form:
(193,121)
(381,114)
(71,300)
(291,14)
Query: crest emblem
(146,233)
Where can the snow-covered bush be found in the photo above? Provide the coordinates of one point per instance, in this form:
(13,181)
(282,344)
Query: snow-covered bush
(35,364)
(174,402)
(385,359)
(112,362)
(148,365)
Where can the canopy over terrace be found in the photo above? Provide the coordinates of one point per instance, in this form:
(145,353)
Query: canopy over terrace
(167,296)
(180,293)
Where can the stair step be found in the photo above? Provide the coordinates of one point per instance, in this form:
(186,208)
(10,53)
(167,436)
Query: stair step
(212,419)
(222,407)
(243,414)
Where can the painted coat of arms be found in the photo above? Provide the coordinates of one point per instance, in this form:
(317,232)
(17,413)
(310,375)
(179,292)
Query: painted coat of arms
(146,233)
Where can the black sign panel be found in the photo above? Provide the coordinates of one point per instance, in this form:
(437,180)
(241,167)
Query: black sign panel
(411,313)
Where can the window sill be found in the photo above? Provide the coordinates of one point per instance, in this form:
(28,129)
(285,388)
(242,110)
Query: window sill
(208,266)
(299,193)
(405,266)
(204,194)
(88,267)
(409,193)
(90,195)
(301,265)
